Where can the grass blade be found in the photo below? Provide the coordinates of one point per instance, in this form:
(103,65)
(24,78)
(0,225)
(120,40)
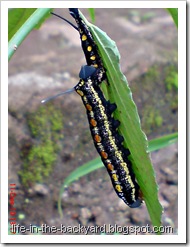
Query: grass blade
(162,142)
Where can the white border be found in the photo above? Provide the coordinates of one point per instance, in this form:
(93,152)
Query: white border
(93,4)
(181,238)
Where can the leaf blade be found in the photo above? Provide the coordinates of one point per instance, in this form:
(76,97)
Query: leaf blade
(18,35)
(174,14)
(162,142)
(135,139)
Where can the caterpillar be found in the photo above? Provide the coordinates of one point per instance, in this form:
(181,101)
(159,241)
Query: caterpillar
(87,42)
(103,127)
(106,138)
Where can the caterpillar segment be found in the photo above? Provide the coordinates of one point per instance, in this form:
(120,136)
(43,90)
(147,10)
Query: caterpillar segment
(88,44)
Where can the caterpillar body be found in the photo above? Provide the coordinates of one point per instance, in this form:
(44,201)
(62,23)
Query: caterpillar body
(103,127)
(87,42)
(106,138)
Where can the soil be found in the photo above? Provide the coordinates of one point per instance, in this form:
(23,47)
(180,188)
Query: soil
(48,62)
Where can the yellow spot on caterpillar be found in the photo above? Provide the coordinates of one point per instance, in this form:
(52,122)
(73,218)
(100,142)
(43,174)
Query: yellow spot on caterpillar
(114,176)
(89,48)
(84,37)
(124,165)
(95,65)
(97,138)
(80,92)
(93,57)
(85,100)
(81,83)
(118,188)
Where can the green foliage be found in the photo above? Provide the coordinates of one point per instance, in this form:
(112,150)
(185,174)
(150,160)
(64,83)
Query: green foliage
(162,142)
(152,73)
(157,104)
(16,18)
(174,13)
(171,83)
(146,17)
(171,78)
(137,16)
(92,14)
(46,128)
(151,119)
(21,23)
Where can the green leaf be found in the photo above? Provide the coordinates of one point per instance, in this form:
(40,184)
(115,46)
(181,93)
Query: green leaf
(21,23)
(162,142)
(92,14)
(174,13)
(16,18)
(130,128)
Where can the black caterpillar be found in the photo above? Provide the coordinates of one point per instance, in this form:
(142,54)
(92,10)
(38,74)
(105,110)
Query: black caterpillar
(87,42)
(103,126)
(106,138)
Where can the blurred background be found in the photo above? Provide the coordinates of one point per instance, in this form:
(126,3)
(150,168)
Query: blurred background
(47,142)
